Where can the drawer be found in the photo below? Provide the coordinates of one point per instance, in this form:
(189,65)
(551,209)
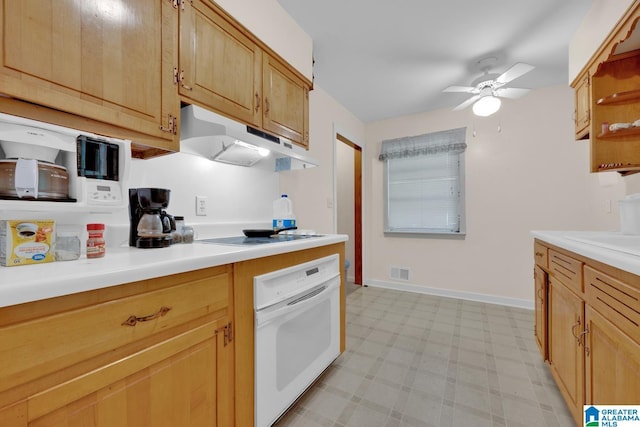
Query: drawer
(567,270)
(615,300)
(41,346)
(541,255)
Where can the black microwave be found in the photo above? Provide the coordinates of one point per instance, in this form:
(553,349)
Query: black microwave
(98,159)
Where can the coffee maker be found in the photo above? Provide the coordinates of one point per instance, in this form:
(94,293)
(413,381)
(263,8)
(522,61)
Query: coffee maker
(150,226)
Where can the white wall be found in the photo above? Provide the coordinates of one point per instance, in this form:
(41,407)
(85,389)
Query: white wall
(531,175)
(313,191)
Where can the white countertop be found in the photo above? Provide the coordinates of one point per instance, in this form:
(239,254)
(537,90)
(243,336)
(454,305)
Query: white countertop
(125,264)
(613,248)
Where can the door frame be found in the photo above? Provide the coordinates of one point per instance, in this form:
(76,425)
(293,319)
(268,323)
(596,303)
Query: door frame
(357,205)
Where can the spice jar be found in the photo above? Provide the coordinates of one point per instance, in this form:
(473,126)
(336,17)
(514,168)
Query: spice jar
(187,234)
(67,245)
(177,233)
(95,242)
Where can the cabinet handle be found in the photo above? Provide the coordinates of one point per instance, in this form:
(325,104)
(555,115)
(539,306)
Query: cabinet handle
(581,340)
(573,330)
(539,254)
(257,102)
(133,319)
(182,81)
(266,106)
(579,337)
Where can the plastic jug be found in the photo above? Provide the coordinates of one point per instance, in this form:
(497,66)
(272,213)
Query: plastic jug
(283,216)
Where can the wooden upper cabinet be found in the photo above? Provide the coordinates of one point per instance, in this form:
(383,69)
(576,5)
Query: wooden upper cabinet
(225,68)
(606,92)
(582,113)
(220,66)
(107,61)
(286,102)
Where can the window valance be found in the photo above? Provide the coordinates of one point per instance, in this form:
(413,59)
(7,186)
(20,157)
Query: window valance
(447,141)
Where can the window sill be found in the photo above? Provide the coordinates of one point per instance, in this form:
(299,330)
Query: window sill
(426,234)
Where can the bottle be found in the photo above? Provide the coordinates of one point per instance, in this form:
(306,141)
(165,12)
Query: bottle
(95,242)
(283,216)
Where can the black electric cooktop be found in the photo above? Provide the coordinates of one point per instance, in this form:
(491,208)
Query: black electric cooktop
(242,240)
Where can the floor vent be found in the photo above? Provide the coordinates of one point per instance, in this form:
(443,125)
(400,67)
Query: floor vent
(399,273)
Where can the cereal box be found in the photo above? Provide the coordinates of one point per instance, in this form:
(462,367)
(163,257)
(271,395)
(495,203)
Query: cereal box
(25,242)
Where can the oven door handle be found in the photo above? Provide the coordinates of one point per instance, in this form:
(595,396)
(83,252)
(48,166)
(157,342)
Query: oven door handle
(266,316)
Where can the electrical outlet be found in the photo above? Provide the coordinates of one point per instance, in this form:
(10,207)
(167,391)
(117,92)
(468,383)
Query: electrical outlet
(201,205)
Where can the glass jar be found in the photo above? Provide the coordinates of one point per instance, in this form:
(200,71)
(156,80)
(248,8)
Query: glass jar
(67,245)
(187,234)
(176,235)
(95,242)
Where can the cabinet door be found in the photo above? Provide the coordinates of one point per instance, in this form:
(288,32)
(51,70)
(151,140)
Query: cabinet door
(108,61)
(173,383)
(583,107)
(566,354)
(612,363)
(540,288)
(219,66)
(286,102)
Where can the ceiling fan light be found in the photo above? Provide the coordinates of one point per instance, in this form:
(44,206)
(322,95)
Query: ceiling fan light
(486,106)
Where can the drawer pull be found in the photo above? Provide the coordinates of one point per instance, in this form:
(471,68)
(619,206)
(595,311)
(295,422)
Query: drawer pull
(132,320)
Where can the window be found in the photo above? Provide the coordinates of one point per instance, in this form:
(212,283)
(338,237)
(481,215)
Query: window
(424,183)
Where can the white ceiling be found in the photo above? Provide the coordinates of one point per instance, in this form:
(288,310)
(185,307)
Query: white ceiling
(383,59)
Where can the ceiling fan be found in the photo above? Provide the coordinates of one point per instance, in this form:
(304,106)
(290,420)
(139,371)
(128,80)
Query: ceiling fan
(488,89)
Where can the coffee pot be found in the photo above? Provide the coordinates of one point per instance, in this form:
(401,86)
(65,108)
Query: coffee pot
(150,224)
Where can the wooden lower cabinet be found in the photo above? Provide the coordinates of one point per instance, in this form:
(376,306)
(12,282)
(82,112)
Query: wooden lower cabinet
(612,363)
(593,337)
(541,302)
(170,367)
(566,353)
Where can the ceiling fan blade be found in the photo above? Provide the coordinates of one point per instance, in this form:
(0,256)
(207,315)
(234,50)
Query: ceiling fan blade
(465,89)
(514,72)
(511,92)
(466,103)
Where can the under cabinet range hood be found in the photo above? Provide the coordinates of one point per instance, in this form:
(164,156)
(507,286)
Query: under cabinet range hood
(216,137)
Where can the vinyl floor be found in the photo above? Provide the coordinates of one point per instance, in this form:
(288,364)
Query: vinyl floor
(421,360)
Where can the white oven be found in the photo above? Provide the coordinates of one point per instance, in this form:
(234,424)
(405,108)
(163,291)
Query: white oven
(297,332)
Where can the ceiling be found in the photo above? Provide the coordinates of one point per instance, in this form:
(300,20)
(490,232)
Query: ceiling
(383,59)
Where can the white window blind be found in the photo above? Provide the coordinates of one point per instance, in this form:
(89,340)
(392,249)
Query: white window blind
(424,177)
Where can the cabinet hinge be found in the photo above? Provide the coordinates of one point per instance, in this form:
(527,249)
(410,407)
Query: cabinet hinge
(182,2)
(171,128)
(228,334)
(174,3)
(176,76)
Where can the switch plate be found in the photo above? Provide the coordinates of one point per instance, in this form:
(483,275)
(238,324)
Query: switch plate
(201,205)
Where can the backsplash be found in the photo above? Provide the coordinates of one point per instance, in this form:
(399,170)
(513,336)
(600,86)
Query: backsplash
(236,195)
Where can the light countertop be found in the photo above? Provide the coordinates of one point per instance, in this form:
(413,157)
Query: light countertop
(124,264)
(613,248)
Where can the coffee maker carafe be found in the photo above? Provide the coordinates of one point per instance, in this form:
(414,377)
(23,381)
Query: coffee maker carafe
(150,225)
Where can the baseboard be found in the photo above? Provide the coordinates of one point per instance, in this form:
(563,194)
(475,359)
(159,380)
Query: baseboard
(470,296)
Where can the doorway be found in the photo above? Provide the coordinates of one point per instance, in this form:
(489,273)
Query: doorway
(349,198)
